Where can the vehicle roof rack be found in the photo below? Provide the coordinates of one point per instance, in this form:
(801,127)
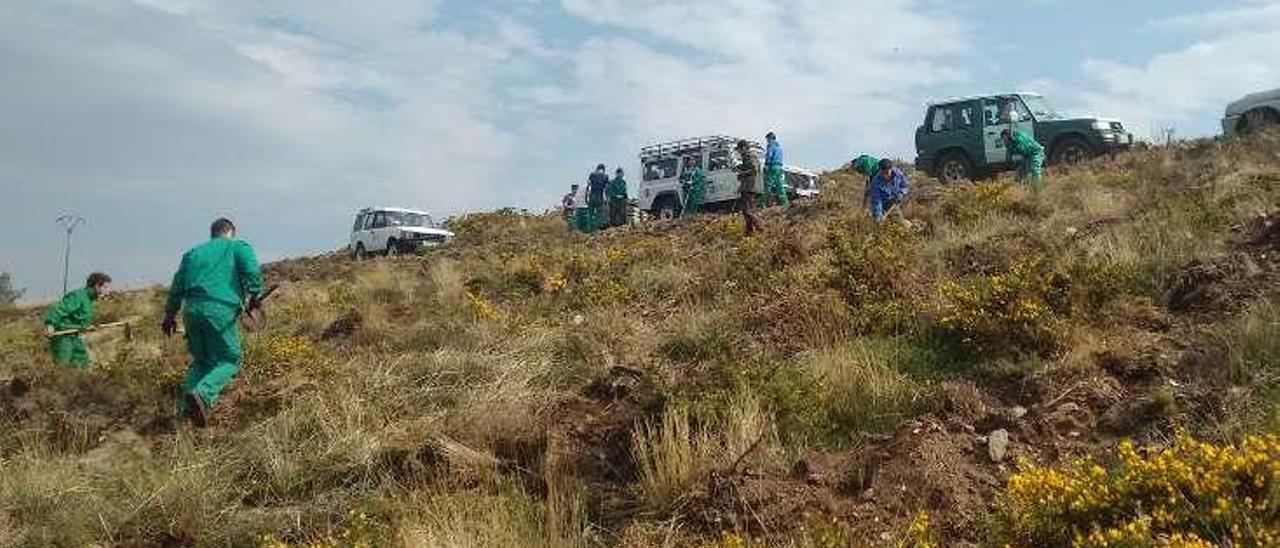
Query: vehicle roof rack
(964,98)
(683,146)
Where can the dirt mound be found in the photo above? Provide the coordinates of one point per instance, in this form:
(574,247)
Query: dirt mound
(588,437)
(932,464)
(76,410)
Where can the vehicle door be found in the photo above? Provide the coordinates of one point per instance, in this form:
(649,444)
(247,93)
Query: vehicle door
(722,182)
(378,232)
(1000,114)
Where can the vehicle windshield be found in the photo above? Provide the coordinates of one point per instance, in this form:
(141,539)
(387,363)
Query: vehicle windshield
(404,218)
(1040,108)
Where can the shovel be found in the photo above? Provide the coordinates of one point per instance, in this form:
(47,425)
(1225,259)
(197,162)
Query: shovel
(128,330)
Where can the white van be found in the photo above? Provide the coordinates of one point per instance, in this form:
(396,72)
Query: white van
(661,192)
(393,230)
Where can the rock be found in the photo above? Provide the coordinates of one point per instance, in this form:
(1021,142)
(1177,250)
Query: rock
(1018,412)
(998,444)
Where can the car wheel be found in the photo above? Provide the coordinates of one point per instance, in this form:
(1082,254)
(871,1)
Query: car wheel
(1071,151)
(1257,120)
(667,209)
(393,248)
(360,253)
(954,168)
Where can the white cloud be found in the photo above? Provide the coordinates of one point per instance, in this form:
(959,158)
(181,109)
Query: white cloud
(1186,89)
(808,68)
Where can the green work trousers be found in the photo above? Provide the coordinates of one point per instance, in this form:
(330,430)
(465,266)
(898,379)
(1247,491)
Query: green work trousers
(1032,170)
(214,343)
(69,350)
(694,200)
(774,189)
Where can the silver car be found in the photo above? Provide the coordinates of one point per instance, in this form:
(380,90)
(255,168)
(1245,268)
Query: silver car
(1251,113)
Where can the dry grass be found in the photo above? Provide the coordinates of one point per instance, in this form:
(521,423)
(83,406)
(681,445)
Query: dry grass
(762,348)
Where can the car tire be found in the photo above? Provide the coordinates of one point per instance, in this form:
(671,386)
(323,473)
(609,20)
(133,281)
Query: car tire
(1257,120)
(1071,151)
(955,167)
(360,254)
(667,208)
(392,248)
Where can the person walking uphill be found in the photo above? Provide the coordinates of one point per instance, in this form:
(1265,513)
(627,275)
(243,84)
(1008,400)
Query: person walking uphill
(210,289)
(597,182)
(74,311)
(774,188)
(1032,166)
(617,193)
(748,185)
(888,188)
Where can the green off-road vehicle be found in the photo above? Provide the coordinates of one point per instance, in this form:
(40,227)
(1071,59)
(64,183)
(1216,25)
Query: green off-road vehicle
(960,138)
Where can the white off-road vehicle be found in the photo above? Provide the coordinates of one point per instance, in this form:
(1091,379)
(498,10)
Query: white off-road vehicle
(393,230)
(661,191)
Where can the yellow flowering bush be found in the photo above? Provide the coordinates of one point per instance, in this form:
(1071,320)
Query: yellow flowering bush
(971,203)
(1189,494)
(1004,312)
(874,268)
(482,308)
(273,354)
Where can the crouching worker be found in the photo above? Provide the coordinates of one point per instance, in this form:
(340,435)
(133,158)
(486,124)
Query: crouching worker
(867,166)
(210,289)
(74,313)
(888,189)
(1032,166)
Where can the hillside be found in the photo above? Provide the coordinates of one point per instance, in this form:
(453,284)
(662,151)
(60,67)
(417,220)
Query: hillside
(832,382)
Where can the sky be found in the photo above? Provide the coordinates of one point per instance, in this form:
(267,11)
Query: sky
(151,118)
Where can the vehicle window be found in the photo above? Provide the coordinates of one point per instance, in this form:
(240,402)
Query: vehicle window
(660,169)
(404,218)
(1039,107)
(359,223)
(943,119)
(691,162)
(966,114)
(991,112)
(718,160)
(1012,110)
(799,181)
(379,220)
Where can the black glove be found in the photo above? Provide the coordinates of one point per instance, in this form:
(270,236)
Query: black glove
(255,302)
(170,324)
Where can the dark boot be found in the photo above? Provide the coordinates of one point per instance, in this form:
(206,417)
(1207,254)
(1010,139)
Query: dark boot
(197,410)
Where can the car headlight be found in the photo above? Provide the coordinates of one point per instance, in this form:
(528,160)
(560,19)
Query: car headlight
(1101,126)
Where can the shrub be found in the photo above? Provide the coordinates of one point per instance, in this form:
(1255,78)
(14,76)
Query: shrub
(967,204)
(874,267)
(1192,493)
(1006,312)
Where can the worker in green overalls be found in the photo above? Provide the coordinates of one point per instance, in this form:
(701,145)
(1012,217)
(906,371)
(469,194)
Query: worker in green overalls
(74,312)
(210,288)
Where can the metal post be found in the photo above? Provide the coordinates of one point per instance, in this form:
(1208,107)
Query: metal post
(68,222)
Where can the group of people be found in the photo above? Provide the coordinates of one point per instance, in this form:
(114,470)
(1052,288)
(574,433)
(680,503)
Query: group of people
(602,204)
(215,284)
